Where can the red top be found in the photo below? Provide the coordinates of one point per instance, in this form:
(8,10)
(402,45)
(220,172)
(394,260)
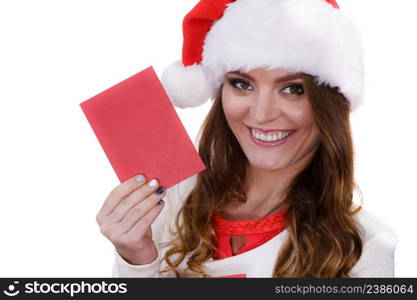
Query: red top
(257,232)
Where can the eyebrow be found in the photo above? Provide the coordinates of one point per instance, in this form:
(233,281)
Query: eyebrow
(278,80)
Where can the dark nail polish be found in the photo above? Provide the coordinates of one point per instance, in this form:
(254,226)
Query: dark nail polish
(160,190)
(160,202)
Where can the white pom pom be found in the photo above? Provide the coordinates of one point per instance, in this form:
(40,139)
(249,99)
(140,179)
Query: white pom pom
(186,86)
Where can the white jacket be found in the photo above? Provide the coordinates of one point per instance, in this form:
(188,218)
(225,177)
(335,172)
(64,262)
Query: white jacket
(377,258)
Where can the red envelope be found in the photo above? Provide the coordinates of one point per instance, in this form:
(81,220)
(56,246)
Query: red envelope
(140,131)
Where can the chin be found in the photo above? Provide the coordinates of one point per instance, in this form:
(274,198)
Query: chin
(267,165)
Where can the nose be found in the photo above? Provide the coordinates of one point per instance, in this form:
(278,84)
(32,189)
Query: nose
(266,107)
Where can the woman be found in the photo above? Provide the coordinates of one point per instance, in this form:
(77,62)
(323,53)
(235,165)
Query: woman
(276,197)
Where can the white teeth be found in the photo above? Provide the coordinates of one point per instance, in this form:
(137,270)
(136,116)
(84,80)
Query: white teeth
(269,137)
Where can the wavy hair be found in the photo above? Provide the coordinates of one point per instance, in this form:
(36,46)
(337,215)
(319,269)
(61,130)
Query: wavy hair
(323,237)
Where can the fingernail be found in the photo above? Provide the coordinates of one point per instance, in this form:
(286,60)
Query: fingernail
(160,190)
(160,202)
(140,178)
(153,183)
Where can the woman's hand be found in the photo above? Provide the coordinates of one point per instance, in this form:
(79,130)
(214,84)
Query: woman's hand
(126,217)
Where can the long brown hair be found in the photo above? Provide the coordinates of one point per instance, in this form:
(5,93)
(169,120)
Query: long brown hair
(323,238)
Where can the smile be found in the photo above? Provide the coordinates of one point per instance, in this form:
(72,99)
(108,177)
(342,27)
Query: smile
(271,138)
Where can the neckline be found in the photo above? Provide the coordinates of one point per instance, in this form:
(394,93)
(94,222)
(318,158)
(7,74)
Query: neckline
(253,254)
(253,226)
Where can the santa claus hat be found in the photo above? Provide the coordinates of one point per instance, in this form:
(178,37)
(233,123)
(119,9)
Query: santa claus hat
(310,36)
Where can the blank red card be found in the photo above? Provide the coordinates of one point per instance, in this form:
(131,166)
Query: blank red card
(140,131)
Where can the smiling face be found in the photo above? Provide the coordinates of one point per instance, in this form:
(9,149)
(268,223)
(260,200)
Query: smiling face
(270,117)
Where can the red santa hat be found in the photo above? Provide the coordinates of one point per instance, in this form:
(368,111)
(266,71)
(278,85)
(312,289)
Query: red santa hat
(310,36)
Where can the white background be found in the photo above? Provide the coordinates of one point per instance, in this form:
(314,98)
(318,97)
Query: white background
(54,175)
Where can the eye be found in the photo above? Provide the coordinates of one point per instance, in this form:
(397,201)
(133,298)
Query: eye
(294,88)
(240,84)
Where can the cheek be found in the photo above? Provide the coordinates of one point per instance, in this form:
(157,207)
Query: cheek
(233,106)
(302,115)
(307,123)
